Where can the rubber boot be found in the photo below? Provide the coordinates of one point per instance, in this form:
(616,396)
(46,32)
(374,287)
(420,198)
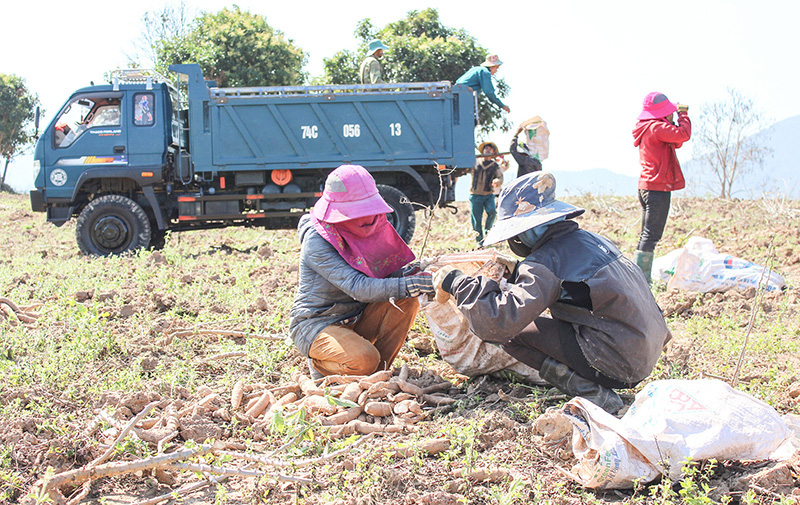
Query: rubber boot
(644,260)
(567,380)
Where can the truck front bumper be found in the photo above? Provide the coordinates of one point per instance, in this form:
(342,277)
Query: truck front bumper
(37,200)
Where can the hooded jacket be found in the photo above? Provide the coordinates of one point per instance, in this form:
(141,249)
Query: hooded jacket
(657,140)
(584,280)
(329,290)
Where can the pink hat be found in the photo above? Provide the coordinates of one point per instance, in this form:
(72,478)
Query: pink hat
(656,105)
(350,193)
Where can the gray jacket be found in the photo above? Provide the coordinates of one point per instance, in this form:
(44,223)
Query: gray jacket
(584,280)
(330,290)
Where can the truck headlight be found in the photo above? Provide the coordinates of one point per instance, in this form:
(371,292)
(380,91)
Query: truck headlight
(36,167)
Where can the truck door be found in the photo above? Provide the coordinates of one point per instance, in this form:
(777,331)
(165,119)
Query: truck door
(147,129)
(88,133)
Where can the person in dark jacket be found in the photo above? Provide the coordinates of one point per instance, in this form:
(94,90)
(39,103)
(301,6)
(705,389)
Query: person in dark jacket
(357,287)
(605,330)
(657,138)
(487,177)
(525,162)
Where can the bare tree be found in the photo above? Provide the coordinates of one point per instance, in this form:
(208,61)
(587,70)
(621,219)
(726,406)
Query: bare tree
(726,138)
(171,22)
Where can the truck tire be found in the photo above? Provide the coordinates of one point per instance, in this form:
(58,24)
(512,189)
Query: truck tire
(112,224)
(403,218)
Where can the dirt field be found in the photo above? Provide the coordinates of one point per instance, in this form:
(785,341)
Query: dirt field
(96,341)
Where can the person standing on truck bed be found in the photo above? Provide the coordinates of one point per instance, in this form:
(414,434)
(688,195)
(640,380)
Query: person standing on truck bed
(487,176)
(356,294)
(371,72)
(480,79)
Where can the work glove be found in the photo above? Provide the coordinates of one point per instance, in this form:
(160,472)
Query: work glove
(419,284)
(508,262)
(411,269)
(417,266)
(438,280)
(683,108)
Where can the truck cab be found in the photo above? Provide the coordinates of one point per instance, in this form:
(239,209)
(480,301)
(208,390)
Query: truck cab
(106,140)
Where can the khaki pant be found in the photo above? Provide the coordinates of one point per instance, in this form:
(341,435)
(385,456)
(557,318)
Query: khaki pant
(371,343)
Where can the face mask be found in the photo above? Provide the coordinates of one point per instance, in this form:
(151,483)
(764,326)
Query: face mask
(530,237)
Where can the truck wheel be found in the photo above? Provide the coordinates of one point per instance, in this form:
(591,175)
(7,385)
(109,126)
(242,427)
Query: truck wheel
(112,224)
(402,218)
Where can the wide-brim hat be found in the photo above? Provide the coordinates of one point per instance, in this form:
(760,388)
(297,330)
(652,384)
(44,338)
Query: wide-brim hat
(529,201)
(350,193)
(492,60)
(656,105)
(484,144)
(376,44)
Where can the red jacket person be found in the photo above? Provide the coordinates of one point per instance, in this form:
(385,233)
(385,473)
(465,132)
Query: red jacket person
(657,138)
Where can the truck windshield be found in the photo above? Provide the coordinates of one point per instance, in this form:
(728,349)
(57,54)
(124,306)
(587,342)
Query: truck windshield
(83,113)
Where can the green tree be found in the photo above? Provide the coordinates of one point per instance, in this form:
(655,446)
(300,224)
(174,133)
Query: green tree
(235,48)
(726,138)
(173,21)
(17,110)
(421,49)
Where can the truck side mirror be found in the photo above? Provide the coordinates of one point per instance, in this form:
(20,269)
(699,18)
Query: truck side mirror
(36,123)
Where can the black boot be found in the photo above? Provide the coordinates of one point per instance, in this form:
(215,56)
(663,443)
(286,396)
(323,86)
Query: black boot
(567,380)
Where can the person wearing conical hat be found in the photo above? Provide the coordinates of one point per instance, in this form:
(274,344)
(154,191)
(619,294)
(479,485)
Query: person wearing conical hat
(605,330)
(479,78)
(371,71)
(487,177)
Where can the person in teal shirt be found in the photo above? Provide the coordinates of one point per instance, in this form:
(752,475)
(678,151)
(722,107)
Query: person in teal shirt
(480,79)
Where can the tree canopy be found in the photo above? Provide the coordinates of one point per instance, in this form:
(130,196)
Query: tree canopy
(725,136)
(17,110)
(421,49)
(233,47)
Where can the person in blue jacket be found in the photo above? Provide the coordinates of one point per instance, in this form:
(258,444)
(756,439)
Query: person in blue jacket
(480,79)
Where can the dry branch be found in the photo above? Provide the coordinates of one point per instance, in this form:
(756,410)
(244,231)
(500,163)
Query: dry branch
(22,315)
(224,355)
(191,488)
(216,470)
(297,463)
(146,410)
(226,333)
(117,468)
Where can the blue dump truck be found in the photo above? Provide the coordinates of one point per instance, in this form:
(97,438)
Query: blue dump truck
(144,155)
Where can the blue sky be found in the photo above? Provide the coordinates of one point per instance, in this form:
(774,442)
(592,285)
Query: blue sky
(584,66)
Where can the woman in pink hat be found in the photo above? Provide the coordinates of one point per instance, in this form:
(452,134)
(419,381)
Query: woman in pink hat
(657,137)
(356,294)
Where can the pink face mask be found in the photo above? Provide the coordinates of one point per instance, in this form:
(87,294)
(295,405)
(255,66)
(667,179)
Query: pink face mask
(369,244)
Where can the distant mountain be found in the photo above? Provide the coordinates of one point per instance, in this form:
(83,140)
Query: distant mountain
(597,181)
(779,176)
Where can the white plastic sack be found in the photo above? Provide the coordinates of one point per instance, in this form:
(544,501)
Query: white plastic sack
(700,267)
(670,421)
(537,137)
(459,347)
